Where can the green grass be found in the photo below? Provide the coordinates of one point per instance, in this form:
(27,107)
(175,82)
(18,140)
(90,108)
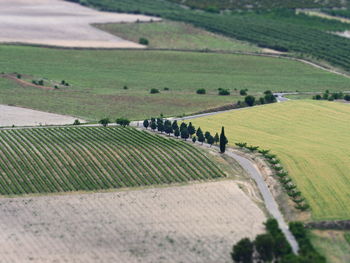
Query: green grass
(94,158)
(312,140)
(97,79)
(176,35)
(332,245)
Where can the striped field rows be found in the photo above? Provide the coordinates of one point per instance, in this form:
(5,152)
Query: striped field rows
(94,158)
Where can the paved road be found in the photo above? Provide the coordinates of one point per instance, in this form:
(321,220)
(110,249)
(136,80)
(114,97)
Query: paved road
(269,200)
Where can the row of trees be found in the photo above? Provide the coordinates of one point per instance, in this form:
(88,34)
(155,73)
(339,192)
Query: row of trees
(331,96)
(187,131)
(274,247)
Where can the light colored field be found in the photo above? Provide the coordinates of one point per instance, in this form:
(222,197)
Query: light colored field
(176,35)
(196,223)
(59,23)
(332,245)
(11,115)
(311,138)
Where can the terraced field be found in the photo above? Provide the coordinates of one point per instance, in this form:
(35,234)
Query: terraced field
(312,140)
(93,158)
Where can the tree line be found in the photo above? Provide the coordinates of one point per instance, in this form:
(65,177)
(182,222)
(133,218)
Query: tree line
(187,131)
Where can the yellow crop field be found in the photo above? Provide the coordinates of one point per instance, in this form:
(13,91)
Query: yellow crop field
(312,139)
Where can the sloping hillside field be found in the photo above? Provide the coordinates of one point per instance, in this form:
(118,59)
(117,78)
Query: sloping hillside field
(97,79)
(92,158)
(312,140)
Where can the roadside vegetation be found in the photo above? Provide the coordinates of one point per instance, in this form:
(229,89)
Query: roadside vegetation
(97,80)
(94,158)
(299,132)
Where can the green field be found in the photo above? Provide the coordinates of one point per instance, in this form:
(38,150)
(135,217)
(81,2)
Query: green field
(94,158)
(176,35)
(97,79)
(312,140)
(332,245)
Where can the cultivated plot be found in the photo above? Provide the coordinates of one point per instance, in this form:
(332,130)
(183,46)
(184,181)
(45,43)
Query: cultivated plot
(310,137)
(196,223)
(60,23)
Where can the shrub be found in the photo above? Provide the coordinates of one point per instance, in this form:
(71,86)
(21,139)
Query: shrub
(224,92)
(243,92)
(144,41)
(166,88)
(41,82)
(347,97)
(250,100)
(76,122)
(154,91)
(201,91)
(125,87)
(317,97)
(19,76)
(122,121)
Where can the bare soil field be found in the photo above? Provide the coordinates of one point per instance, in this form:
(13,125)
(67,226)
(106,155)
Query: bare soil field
(60,23)
(193,223)
(11,115)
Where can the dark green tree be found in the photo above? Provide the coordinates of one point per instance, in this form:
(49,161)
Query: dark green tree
(207,135)
(175,125)
(177,132)
(216,138)
(194,139)
(183,126)
(184,134)
(153,125)
(264,246)
(168,129)
(242,252)
(223,140)
(249,100)
(146,124)
(160,127)
(191,129)
(122,121)
(104,122)
(199,131)
(210,140)
(167,123)
(201,138)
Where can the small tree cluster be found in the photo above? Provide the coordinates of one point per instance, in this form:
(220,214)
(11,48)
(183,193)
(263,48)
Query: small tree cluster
(120,121)
(266,99)
(224,92)
(331,96)
(269,247)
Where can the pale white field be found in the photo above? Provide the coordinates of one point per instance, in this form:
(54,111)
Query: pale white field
(60,23)
(193,223)
(11,115)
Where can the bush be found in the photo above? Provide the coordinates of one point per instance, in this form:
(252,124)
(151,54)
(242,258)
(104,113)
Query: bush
(76,122)
(243,92)
(41,82)
(143,41)
(19,76)
(317,97)
(347,97)
(166,88)
(125,87)
(250,100)
(201,91)
(154,91)
(224,92)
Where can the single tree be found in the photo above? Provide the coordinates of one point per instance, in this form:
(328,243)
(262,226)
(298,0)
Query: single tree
(216,138)
(194,139)
(175,125)
(104,122)
(183,126)
(191,129)
(168,129)
(153,125)
(223,140)
(201,91)
(146,124)
(177,132)
(160,127)
(201,138)
(250,100)
(184,134)
(76,122)
(160,120)
(122,121)
(207,135)
(210,140)
(199,131)
(242,252)
(167,123)
(264,245)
